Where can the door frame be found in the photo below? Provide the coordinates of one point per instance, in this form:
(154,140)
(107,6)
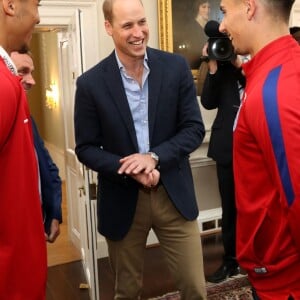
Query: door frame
(59,15)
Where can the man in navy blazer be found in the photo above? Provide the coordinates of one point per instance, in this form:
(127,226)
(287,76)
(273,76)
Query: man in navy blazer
(136,122)
(50,181)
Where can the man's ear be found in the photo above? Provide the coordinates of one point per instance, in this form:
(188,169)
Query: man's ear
(9,7)
(250,8)
(108,27)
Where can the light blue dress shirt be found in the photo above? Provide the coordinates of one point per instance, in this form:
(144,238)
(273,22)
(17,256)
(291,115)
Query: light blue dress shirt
(137,97)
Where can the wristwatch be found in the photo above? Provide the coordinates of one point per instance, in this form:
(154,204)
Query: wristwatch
(154,156)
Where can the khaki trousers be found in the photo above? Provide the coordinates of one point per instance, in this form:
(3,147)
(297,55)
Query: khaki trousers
(179,240)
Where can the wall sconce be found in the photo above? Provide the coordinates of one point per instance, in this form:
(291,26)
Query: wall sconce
(52,96)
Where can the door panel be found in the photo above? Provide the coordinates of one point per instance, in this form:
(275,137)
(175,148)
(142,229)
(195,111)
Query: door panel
(81,207)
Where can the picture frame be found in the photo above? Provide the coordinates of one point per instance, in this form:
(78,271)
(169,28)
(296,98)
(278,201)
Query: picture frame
(173,15)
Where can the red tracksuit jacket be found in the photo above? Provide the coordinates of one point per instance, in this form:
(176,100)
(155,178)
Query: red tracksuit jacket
(267,171)
(23,261)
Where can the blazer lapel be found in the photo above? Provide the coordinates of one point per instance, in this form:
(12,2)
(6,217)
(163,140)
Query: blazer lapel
(115,86)
(155,81)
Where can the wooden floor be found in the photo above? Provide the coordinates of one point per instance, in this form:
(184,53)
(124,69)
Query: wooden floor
(64,280)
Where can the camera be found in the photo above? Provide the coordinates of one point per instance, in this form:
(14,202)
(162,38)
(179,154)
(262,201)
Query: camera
(220,48)
(219,45)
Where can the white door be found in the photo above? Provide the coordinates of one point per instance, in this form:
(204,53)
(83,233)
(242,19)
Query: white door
(81,184)
(90,238)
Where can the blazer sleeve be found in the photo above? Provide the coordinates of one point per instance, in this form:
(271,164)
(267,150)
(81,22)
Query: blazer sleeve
(179,128)
(50,181)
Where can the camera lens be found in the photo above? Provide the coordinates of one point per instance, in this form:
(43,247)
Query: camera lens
(221,49)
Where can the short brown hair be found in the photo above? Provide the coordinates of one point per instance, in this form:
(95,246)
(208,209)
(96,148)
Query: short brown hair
(107,9)
(280,8)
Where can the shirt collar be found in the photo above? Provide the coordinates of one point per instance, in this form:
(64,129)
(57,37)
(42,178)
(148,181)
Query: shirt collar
(8,61)
(121,66)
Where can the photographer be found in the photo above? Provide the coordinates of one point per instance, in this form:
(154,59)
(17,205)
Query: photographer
(221,89)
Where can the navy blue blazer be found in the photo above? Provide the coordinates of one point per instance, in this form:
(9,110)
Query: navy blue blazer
(104,133)
(50,181)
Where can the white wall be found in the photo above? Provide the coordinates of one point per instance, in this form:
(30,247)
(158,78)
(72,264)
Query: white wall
(295,15)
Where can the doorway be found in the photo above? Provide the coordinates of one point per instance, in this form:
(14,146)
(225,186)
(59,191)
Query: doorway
(49,118)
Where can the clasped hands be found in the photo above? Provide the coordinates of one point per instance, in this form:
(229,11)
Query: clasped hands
(140,167)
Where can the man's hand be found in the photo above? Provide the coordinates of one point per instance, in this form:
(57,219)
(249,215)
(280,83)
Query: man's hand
(212,64)
(137,163)
(148,180)
(54,231)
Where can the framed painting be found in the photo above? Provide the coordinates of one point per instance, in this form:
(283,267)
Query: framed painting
(181,27)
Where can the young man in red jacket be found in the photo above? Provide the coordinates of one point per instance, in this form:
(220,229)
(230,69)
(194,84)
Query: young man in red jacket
(266,146)
(23,261)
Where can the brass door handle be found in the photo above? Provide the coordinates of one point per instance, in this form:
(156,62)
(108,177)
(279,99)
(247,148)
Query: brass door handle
(81,191)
